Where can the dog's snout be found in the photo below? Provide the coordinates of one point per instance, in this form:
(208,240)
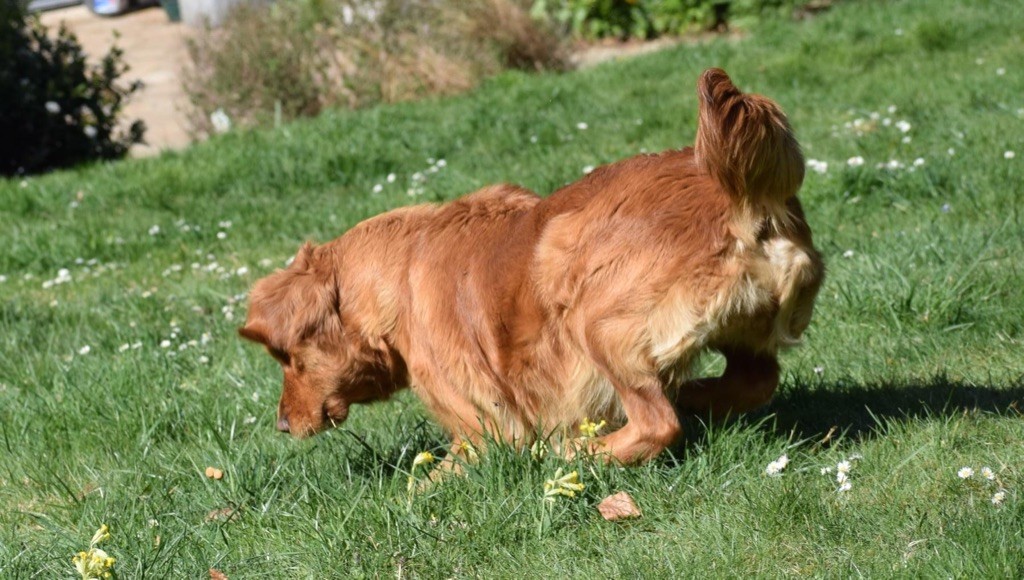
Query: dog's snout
(282,424)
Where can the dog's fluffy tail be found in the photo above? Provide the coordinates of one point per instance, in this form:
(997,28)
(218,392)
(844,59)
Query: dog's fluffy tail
(744,142)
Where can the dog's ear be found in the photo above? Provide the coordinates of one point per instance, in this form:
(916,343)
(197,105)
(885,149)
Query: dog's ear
(255,331)
(714,86)
(303,260)
(745,143)
(293,304)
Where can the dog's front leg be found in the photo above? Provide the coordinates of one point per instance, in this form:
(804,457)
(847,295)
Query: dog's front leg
(651,420)
(749,381)
(651,425)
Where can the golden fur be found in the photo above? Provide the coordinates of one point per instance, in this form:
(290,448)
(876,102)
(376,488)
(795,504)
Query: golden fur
(510,315)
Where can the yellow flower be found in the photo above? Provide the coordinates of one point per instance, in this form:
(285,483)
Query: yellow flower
(423,458)
(590,429)
(95,563)
(566,485)
(101,535)
(468,451)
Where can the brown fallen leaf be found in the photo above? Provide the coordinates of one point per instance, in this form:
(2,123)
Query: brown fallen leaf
(225,514)
(618,506)
(216,574)
(214,473)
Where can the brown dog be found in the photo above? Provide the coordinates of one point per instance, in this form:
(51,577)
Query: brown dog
(512,316)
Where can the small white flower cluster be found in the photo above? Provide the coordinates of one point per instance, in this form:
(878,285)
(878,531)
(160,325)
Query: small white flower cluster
(989,481)
(173,268)
(185,227)
(842,471)
(224,225)
(175,343)
(91,268)
(63,277)
(228,310)
(220,121)
(775,468)
(863,126)
(896,165)
(211,267)
(133,346)
(870,124)
(818,166)
(418,180)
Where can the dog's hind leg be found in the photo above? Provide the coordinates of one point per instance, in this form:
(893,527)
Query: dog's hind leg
(651,420)
(749,381)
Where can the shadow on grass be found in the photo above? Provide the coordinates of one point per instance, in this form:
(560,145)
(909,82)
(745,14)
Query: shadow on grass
(824,413)
(858,410)
(366,453)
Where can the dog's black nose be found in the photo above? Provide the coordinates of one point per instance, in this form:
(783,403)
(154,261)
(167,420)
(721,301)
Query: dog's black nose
(282,424)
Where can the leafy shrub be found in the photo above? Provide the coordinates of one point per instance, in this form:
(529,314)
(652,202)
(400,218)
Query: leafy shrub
(292,59)
(650,18)
(58,110)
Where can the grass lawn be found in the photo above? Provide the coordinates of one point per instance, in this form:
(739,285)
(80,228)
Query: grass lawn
(122,379)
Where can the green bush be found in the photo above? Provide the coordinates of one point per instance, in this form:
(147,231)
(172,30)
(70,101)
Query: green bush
(592,19)
(58,110)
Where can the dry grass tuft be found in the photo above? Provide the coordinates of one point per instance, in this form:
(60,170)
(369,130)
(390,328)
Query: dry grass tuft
(274,62)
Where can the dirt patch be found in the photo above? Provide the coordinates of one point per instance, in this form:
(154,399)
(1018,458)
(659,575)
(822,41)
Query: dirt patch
(587,56)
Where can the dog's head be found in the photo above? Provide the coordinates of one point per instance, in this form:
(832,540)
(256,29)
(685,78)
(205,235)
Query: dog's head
(328,363)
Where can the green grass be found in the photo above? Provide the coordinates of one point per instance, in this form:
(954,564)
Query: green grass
(914,356)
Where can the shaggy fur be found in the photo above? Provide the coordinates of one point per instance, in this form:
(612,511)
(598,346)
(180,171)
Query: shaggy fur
(512,316)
